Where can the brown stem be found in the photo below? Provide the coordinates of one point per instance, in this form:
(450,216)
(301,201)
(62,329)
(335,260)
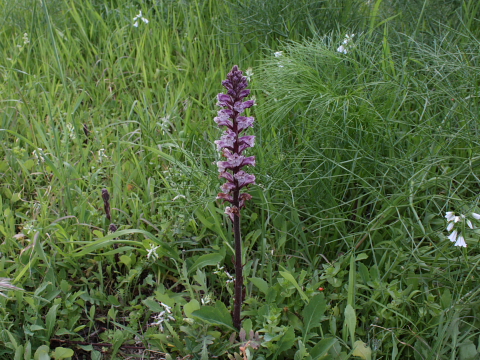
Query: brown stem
(237,322)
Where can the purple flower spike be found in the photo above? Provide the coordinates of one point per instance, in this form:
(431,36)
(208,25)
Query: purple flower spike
(232,144)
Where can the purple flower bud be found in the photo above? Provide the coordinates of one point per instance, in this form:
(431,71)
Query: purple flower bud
(232,144)
(246,142)
(244,122)
(227,141)
(244,179)
(232,211)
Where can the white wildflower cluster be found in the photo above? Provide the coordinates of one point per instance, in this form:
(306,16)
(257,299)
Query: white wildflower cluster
(26,40)
(162,317)
(180,196)
(152,252)
(346,45)
(220,271)
(71,131)
(455,224)
(38,155)
(139,17)
(206,299)
(249,74)
(279,54)
(101,155)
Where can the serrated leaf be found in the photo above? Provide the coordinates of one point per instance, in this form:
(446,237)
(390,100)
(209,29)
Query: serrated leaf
(285,342)
(322,347)
(312,313)
(153,305)
(206,260)
(361,350)
(62,353)
(216,315)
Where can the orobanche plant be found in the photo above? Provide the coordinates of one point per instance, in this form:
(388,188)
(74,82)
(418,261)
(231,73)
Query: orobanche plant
(232,144)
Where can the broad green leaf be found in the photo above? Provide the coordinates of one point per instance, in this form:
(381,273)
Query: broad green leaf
(126,260)
(312,313)
(19,353)
(36,328)
(361,256)
(113,300)
(322,347)
(42,353)
(468,351)
(289,277)
(261,284)
(350,321)
(191,307)
(27,354)
(206,260)
(62,353)
(361,350)
(218,315)
(446,299)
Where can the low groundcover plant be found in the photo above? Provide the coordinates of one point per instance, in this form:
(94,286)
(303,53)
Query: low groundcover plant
(232,145)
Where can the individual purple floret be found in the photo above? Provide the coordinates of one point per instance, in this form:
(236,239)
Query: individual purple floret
(232,144)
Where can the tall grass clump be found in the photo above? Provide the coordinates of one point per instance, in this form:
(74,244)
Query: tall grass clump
(379,143)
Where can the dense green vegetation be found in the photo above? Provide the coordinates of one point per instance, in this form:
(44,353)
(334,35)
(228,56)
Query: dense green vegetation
(360,155)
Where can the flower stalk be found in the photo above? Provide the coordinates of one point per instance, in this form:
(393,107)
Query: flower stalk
(232,144)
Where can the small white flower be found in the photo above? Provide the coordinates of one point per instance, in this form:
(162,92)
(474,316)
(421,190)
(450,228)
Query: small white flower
(476,216)
(278,53)
(39,155)
(450,215)
(249,73)
(461,241)
(179,197)
(450,226)
(207,299)
(453,236)
(162,317)
(346,44)
(26,40)
(469,223)
(139,17)
(71,131)
(101,155)
(152,252)
(341,49)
